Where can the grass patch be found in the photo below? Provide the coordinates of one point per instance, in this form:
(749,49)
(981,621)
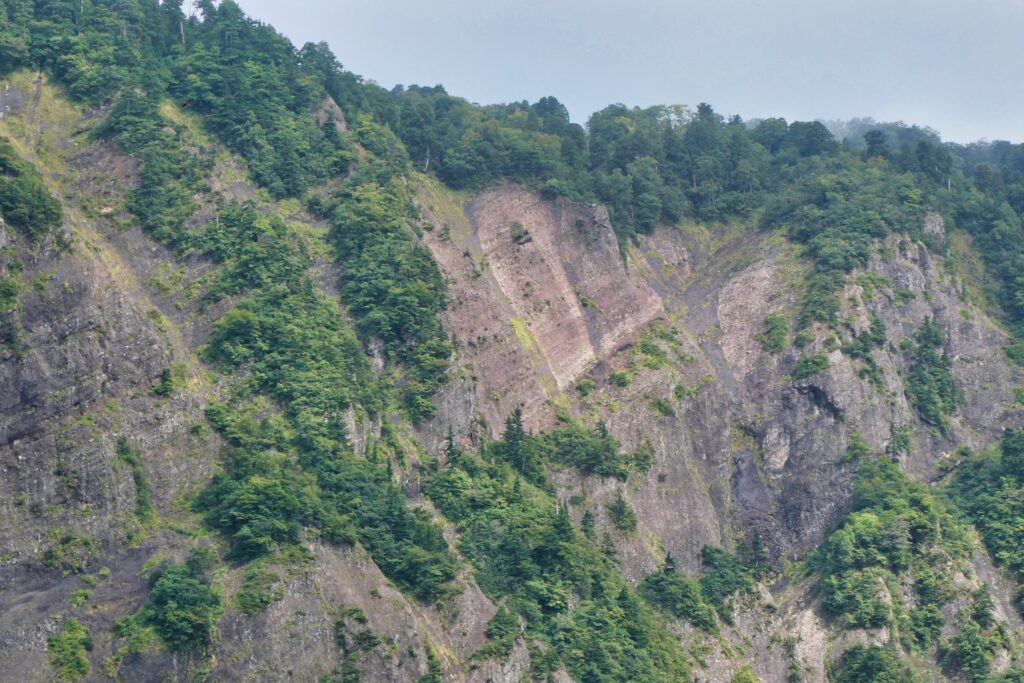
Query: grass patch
(69,650)
(774,333)
(810,365)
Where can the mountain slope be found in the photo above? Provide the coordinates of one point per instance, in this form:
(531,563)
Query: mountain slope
(308,380)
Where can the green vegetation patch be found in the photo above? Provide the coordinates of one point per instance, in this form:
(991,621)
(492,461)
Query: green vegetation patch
(10,287)
(930,385)
(571,444)
(391,284)
(726,574)
(989,488)
(502,631)
(287,475)
(70,552)
(680,596)
(862,346)
(809,366)
(25,202)
(774,333)
(620,512)
(872,664)
(69,651)
(896,527)
(260,588)
(144,510)
(354,639)
(171,172)
(182,606)
(745,675)
(565,588)
(258,250)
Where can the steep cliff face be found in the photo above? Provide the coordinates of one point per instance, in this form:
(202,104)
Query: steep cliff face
(540,294)
(547,296)
(103,362)
(89,347)
(102,393)
(740,447)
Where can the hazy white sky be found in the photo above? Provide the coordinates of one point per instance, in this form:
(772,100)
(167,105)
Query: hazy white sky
(957,66)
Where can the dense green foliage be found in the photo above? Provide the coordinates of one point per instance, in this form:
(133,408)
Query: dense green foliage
(171,170)
(621,515)
(774,332)
(527,551)
(897,529)
(471,147)
(680,596)
(259,589)
(70,551)
(255,90)
(258,250)
(257,94)
(570,444)
(285,475)
(182,606)
(663,163)
(592,451)
(835,209)
(887,566)
(502,631)
(390,283)
(989,488)
(299,350)
(25,202)
(930,385)
(973,648)
(724,575)
(9,290)
(991,209)
(93,48)
(872,664)
(69,649)
(298,365)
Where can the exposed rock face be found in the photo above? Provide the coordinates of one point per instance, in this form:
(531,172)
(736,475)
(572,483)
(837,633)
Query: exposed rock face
(12,100)
(539,294)
(748,450)
(542,298)
(935,229)
(338,580)
(94,334)
(329,109)
(564,279)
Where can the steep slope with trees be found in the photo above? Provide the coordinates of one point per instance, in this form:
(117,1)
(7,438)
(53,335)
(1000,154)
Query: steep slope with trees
(306,379)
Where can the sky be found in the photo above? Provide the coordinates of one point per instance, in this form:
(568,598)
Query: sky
(954,65)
